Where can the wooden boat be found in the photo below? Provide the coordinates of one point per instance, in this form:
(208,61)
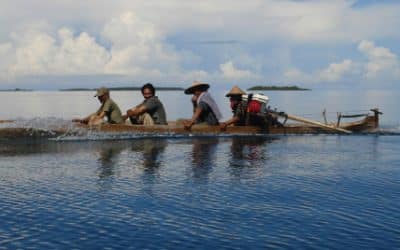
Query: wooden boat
(368,123)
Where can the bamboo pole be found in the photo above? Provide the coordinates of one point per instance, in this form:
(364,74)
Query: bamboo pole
(316,123)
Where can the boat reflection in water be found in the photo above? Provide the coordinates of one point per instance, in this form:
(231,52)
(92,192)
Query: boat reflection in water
(151,150)
(108,158)
(147,162)
(203,157)
(248,152)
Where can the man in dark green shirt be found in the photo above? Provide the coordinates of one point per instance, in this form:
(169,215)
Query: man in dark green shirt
(239,108)
(107,109)
(150,112)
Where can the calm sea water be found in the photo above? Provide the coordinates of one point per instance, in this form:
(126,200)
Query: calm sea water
(307,192)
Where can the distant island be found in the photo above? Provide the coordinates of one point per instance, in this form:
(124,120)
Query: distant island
(290,88)
(15,90)
(125,89)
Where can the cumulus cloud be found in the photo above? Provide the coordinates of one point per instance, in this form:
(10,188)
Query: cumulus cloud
(38,53)
(137,47)
(335,71)
(381,64)
(381,61)
(147,40)
(229,71)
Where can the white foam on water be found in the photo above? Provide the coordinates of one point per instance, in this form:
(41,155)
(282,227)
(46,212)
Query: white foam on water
(46,124)
(90,135)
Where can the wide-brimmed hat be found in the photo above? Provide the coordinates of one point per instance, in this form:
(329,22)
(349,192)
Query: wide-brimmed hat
(196,85)
(101,91)
(235,91)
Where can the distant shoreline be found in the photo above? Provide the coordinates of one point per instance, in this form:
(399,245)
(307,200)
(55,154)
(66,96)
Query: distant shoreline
(125,89)
(16,90)
(285,88)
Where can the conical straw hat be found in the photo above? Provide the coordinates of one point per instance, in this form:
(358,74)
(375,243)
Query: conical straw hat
(196,85)
(235,91)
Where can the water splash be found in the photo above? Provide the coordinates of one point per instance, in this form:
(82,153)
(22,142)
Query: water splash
(44,127)
(388,130)
(93,135)
(39,123)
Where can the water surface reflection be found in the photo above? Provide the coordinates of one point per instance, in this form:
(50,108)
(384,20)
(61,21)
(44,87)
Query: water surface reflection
(149,161)
(203,157)
(248,152)
(107,163)
(151,151)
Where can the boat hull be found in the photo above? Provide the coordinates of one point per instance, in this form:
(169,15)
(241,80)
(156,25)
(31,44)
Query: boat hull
(368,124)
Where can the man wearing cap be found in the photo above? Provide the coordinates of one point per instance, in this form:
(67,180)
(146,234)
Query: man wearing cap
(205,110)
(151,111)
(238,107)
(107,109)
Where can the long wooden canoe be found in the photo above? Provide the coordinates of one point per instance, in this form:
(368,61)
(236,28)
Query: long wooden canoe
(369,123)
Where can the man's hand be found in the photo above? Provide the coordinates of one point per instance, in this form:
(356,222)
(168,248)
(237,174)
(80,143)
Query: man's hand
(223,126)
(188,124)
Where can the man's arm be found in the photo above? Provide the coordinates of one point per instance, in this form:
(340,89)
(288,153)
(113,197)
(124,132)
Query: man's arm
(86,119)
(136,111)
(225,124)
(189,123)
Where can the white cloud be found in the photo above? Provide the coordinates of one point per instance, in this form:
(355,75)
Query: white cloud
(229,71)
(336,71)
(381,61)
(143,40)
(381,65)
(137,47)
(308,21)
(38,53)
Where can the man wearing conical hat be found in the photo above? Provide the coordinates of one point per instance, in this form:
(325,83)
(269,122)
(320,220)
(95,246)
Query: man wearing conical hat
(238,107)
(205,108)
(107,109)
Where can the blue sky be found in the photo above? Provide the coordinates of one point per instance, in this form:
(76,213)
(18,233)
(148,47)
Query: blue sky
(318,44)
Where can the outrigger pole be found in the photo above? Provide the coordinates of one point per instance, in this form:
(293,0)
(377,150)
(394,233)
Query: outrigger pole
(316,123)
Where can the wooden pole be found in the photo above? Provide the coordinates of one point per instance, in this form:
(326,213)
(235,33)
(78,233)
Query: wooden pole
(316,123)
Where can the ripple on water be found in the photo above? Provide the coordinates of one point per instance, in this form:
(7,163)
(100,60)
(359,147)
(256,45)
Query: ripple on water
(290,192)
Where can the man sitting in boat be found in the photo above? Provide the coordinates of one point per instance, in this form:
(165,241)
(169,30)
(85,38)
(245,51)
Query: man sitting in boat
(107,109)
(238,107)
(247,110)
(206,110)
(150,112)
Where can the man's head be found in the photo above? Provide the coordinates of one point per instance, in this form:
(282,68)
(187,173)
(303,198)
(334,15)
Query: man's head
(235,96)
(102,94)
(148,90)
(197,88)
